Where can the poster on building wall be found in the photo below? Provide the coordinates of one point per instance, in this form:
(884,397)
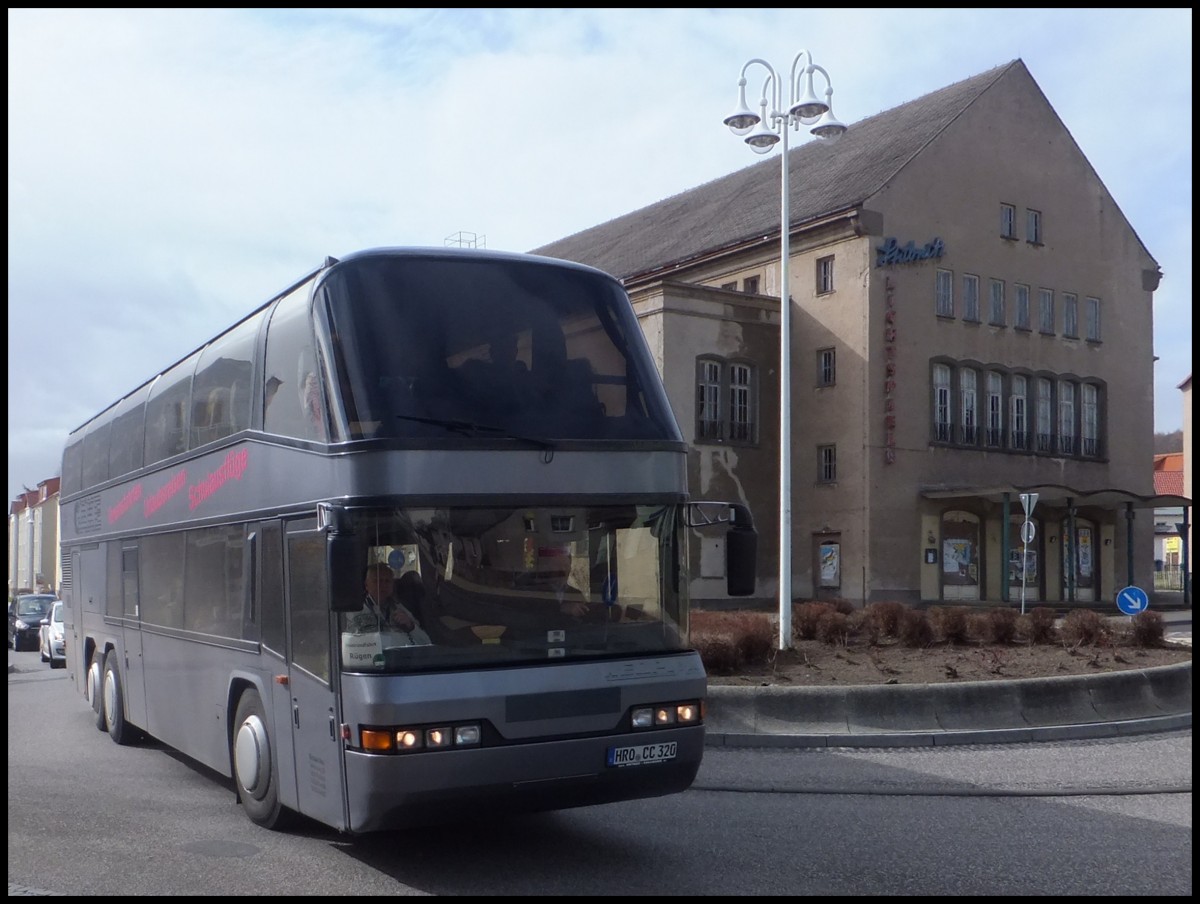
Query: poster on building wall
(830,555)
(1014,566)
(958,561)
(1085,552)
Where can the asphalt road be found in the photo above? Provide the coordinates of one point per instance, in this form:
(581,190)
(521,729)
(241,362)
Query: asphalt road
(1095,817)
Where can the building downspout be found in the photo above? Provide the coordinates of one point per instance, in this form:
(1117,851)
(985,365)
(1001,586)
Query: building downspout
(1005,513)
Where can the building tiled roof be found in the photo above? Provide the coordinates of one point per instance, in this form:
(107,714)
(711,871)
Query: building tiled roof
(825,176)
(1168,483)
(1168,461)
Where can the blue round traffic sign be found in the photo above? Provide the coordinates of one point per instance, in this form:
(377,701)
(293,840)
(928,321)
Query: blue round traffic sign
(1132,600)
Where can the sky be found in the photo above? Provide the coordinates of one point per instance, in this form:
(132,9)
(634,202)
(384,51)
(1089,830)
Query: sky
(171,170)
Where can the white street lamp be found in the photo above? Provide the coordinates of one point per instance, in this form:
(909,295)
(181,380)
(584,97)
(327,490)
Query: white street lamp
(803,108)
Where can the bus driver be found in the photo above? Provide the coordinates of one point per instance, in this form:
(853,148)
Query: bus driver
(384,612)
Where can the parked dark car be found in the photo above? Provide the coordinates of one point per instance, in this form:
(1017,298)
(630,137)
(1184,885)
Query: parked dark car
(25,616)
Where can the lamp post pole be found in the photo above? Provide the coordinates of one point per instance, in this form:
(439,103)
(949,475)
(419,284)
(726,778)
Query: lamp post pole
(785,407)
(802,107)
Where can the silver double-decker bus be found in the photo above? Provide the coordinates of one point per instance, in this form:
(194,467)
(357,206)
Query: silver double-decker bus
(489,432)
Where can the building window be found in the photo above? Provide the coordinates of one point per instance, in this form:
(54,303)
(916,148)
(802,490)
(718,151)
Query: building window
(1033,227)
(732,286)
(970,288)
(1050,415)
(1046,311)
(741,403)
(726,401)
(996,302)
(945,293)
(824,275)
(1066,418)
(1070,316)
(995,409)
(826,366)
(826,464)
(1045,414)
(1092,312)
(1008,221)
(708,400)
(750,285)
(941,403)
(1017,407)
(1022,316)
(968,422)
(1090,400)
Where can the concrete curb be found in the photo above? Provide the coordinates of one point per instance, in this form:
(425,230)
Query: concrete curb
(975,712)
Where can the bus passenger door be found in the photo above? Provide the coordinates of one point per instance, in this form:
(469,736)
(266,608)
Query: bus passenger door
(314,718)
(130,611)
(88,610)
(273,636)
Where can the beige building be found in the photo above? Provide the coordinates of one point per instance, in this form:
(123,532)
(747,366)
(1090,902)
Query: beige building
(33,561)
(1188,560)
(971,320)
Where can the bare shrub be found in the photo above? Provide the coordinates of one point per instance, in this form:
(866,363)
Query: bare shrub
(860,624)
(1038,625)
(832,628)
(887,616)
(979,627)
(949,623)
(843,606)
(713,638)
(805,617)
(1004,624)
(915,628)
(1083,627)
(1147,629)
(755,635)
(718,653)
(1120,633)
(728,641)
(706,620)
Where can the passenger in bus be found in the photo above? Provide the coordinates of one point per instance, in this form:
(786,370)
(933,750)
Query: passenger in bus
(311,402)
(384,612)
(501,382)
(563,389)
(505,361)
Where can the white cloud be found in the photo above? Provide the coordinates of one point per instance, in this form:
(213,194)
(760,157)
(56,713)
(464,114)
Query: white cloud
(171,169)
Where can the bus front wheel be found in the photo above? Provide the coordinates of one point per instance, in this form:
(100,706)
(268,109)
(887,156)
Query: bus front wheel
(95,685)
(254,765)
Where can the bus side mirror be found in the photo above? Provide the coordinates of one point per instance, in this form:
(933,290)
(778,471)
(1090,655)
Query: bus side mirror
(741,541)
(345,563)
(741,560)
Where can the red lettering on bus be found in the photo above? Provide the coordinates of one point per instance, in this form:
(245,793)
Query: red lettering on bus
(233,468)
(155,502)
(126,503)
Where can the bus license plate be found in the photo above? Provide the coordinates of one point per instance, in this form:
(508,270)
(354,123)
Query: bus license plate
(643,754)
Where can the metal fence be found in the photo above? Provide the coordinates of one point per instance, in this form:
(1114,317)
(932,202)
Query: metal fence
(1168,577)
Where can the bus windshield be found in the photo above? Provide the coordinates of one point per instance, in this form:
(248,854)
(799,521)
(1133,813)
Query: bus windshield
(438,348)
(448,588)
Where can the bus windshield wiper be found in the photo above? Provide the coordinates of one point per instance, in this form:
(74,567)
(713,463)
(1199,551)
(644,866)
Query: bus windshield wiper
(470,428)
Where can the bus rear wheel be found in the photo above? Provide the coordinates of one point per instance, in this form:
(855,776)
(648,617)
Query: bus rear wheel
(95,686)
(254,771)
(114,704)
